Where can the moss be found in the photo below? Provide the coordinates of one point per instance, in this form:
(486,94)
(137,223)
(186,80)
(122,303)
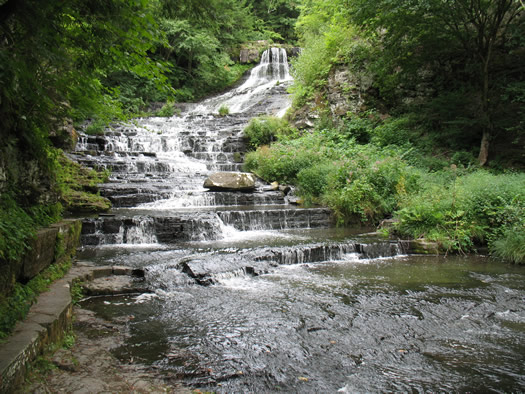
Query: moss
(78,186)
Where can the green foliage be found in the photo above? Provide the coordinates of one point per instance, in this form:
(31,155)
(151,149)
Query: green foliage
(369,186)
(201,38)
(358,182)
(275,19)
(395,131)
(167,110)
(69,340)
(448,66)
(265,129)
(77,185)
(77,292)
(224,110)
(18,225)
(463,211)
(283,160)
(313,181)
(310,71)
(510,246)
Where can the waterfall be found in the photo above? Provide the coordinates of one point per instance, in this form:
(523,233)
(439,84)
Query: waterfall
(273,67)
(272,70)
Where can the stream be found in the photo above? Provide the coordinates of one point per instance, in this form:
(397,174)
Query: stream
(251,293)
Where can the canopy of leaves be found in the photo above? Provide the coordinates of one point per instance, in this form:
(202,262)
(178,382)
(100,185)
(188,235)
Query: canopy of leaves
(458,64)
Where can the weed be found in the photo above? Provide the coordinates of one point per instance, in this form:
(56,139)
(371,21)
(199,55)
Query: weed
(224,110)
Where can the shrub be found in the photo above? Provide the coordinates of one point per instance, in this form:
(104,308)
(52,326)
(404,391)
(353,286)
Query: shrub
(394,131)
(465,210)
(510,246)
(368,187)
(281,162)
(265,129)
(313,181)
(167,110)
(224,110)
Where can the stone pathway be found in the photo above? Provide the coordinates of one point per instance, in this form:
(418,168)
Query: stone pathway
(89,367)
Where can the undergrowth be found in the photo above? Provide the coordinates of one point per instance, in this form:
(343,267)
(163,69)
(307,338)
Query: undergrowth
(438,198)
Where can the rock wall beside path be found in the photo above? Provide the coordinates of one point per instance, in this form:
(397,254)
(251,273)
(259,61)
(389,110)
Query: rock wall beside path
(51,244)
(47,322)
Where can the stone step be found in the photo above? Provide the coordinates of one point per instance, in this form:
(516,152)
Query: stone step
(171,228)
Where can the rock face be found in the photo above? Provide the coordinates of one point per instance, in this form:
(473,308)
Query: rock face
(252,55)
(51,244)
(251,51)
(238,181)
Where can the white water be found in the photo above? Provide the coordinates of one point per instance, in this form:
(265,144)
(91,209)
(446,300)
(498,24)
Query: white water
(272,70)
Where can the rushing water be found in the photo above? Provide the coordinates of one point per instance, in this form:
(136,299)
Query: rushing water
(253,294)
(416,324)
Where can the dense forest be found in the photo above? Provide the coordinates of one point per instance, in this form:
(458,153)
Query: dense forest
(413,111)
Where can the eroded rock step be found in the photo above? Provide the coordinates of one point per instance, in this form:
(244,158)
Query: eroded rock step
(170,228)
(211,268)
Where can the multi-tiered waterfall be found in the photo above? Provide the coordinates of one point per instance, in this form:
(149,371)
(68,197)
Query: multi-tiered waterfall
(252,294)
(158,167)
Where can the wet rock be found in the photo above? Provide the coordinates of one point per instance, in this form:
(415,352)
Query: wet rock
(238,181)
(90,367)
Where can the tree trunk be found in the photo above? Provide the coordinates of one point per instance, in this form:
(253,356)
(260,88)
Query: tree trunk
(484,148)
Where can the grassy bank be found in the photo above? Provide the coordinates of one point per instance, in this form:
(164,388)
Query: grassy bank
(460,206)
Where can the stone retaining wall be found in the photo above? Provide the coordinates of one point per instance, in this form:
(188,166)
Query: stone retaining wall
(51,244)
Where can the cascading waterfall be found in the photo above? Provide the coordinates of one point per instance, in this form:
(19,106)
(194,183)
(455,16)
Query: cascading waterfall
(272,71)
(273,67)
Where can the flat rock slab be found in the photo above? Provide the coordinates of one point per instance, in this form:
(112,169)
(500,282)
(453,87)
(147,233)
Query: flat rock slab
(51,316)
(237,181)
(114,284)
(90,367)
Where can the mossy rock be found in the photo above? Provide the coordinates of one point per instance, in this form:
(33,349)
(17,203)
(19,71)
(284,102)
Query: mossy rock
(82,202)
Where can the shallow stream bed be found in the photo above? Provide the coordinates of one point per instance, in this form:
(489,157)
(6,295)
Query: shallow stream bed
(406,323)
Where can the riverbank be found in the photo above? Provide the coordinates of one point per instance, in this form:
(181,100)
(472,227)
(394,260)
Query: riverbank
(88,366)
(60,347)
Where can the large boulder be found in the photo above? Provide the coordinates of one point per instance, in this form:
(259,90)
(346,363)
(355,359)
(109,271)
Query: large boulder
(237,181)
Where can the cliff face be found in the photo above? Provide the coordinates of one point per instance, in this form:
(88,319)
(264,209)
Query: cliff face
(25,175)
(345,92)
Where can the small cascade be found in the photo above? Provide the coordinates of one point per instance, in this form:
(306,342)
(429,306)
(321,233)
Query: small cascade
(108,230)
(277,219)
(143,232)
(271,74)
(212,267)
(376,250)
(167,277)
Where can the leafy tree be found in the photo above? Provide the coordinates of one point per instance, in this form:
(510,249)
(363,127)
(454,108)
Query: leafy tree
(466,44)
(201,36)
(53,58)
(276,18)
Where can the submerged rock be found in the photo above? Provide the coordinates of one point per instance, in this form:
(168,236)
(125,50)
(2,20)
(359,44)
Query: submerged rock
(238,181)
